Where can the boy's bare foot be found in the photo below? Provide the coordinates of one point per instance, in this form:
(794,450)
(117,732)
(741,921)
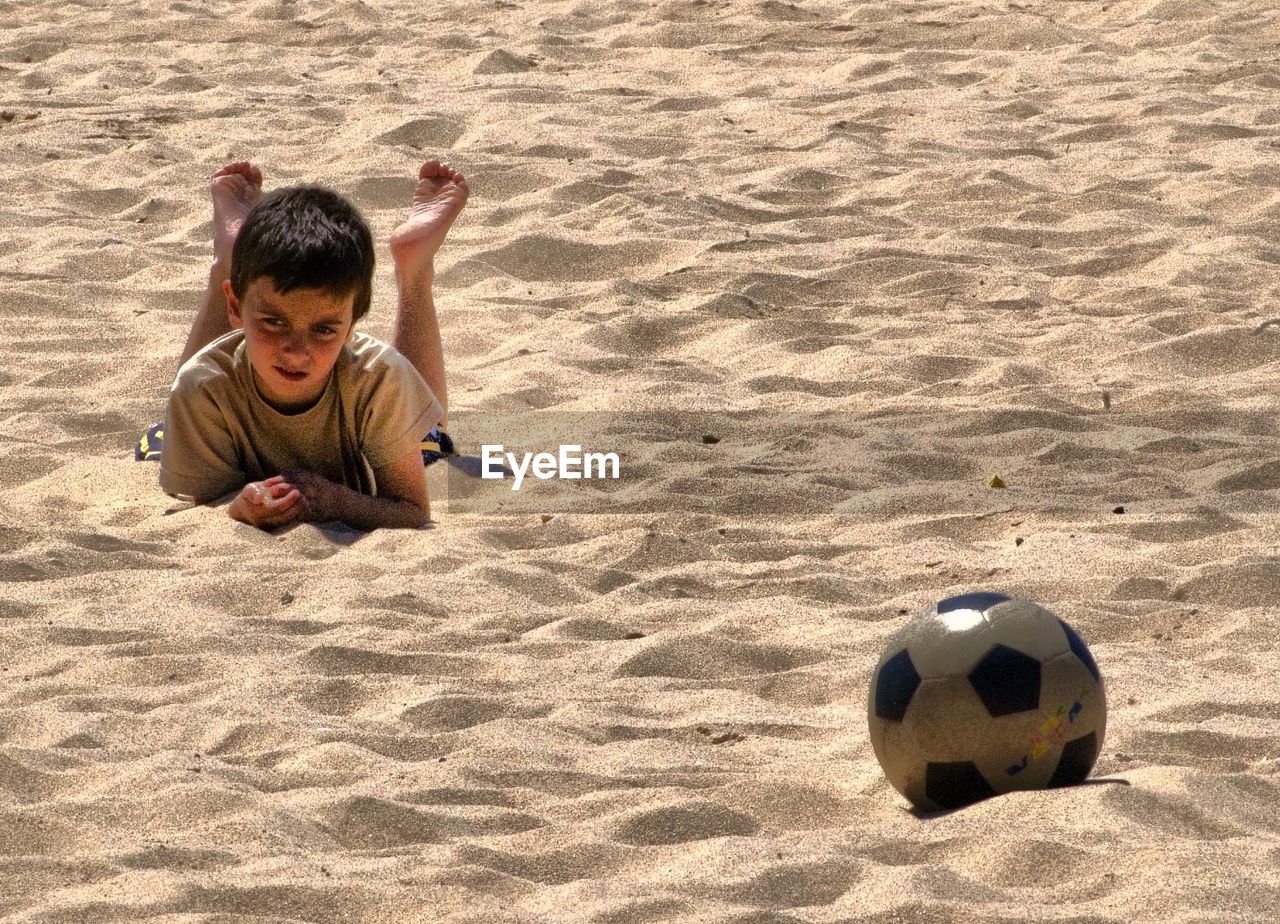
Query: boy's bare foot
(440,196)
(236,189)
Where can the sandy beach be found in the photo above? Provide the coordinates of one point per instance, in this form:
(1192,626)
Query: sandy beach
(822,269)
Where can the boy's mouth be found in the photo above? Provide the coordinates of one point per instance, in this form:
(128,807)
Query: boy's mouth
(291,376)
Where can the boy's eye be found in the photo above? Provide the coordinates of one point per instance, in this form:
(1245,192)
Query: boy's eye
(279,322)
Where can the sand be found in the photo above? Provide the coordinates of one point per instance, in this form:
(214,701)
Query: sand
(880,251)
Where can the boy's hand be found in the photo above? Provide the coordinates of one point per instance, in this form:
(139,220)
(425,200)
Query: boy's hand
(321,498)
(267,504)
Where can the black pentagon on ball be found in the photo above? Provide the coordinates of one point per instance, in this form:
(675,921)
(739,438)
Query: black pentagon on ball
(980,601)
(1081,650)
(1007,681)
(895,685)
(953,785)
(1077,760)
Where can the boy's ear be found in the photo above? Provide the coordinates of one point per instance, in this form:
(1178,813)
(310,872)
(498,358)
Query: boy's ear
(233,306)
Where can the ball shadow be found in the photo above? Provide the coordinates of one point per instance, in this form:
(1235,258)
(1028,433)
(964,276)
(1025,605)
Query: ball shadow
(923,815)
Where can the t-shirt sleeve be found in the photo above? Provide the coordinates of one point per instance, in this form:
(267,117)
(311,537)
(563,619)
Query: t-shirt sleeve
(399,413)
(199,457)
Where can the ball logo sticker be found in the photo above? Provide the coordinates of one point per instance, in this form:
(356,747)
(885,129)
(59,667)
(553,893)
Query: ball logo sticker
(1053,730)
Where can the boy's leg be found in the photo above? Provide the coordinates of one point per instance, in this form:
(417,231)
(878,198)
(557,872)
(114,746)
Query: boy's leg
(440,196)
(417,334)
(235,190)
(211,320)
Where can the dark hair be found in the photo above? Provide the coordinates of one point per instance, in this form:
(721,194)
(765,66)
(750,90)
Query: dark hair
(306,237)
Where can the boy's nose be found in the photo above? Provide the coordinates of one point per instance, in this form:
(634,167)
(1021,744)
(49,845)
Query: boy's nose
(296,343)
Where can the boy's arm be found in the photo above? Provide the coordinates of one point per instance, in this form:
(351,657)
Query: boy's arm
(199,462)
(401,501)
(366,513)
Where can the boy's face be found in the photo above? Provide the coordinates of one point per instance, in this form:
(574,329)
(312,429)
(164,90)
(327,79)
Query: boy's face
(292,341)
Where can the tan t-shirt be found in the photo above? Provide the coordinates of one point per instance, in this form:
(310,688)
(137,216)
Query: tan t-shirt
(220,433)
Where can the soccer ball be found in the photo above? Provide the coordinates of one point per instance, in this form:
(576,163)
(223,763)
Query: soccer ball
(983,694)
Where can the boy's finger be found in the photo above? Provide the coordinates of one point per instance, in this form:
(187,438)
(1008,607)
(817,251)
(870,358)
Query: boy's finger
(283,516)
(278,502)
(271,518)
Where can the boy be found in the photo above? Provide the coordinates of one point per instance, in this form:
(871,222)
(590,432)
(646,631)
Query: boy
(277,398)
